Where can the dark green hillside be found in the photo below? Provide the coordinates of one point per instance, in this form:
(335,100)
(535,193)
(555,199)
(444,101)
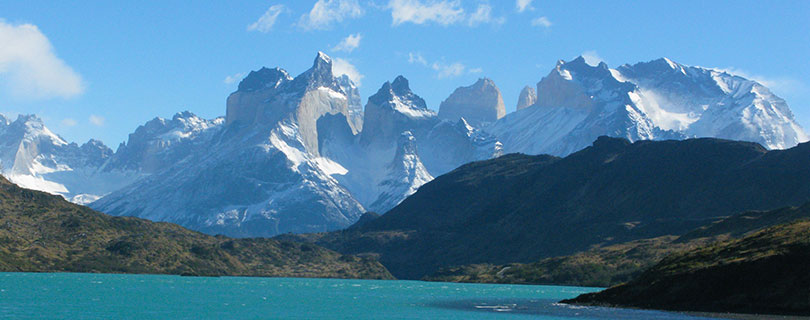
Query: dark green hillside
(618,263)
(520,208)
(766,272)
(44,233)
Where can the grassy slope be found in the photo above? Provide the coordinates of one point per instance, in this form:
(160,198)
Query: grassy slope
(44,233)
(766,272)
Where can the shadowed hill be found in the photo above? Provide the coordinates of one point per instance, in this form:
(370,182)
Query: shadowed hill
(520,208)
(762,273)
(44,233)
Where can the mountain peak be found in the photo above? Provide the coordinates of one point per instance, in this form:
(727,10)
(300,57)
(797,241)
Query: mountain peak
(264,78)
(400,86)
(322,58)
(527,98)
(478,103)
(28,118)
(484,82)
(322,63)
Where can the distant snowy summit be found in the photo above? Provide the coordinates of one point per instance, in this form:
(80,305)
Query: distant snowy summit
(660,99)
(302,154)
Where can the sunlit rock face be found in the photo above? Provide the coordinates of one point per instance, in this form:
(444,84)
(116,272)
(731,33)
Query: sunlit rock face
(479,104)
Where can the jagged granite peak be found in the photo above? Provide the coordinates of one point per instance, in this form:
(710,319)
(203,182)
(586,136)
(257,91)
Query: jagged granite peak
(527,98)
(260,174)
(392,110)
(398,90)
(480,103)
(301,101)
(264,78)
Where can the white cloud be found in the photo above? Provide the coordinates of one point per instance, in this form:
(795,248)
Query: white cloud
(523,5)
(327,12)
(780,84)
(267,20)
(97,120)
(592,58)
(443,12)
(342,66)
(31,68)
(349,43)
(443,70)
(68,122)
(417,58)
(541,22)
(448,70)
(236,77)
(484,15)
(416,12)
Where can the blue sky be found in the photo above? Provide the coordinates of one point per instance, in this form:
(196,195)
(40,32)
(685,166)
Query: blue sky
(98,69)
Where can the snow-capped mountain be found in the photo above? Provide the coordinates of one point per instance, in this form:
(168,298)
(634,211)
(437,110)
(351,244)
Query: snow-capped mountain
(577,102)
(261,173)
(301,154)
(34,157)
(403,145)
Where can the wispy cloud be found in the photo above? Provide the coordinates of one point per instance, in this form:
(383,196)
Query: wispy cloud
(267,20)
(417,58)
(342,66)
(443,69)
(349,43)
(68,122)
(97,120)
(541,22)
(444,12)
(236,77)
(592,58)
(31,68)
(484,15)
(779,84)
(325,13)
(523,5)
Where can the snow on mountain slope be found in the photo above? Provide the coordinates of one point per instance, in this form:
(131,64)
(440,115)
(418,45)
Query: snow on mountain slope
(660,99)
(261,173)
(406,175)
(403,145)
(34,157)
(704,102)
(300,154)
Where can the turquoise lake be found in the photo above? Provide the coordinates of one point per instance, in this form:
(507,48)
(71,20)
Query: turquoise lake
(109,296)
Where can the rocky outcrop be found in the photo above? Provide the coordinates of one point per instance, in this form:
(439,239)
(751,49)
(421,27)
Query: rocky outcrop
(527,98)
(392,110)
(479,104)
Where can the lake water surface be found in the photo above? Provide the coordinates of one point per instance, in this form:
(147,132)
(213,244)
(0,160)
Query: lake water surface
(108,296)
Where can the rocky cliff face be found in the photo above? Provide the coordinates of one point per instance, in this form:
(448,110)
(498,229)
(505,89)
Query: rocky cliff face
(527,98)
(481,103)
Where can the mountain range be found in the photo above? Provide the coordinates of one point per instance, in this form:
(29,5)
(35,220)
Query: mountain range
(301,154)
